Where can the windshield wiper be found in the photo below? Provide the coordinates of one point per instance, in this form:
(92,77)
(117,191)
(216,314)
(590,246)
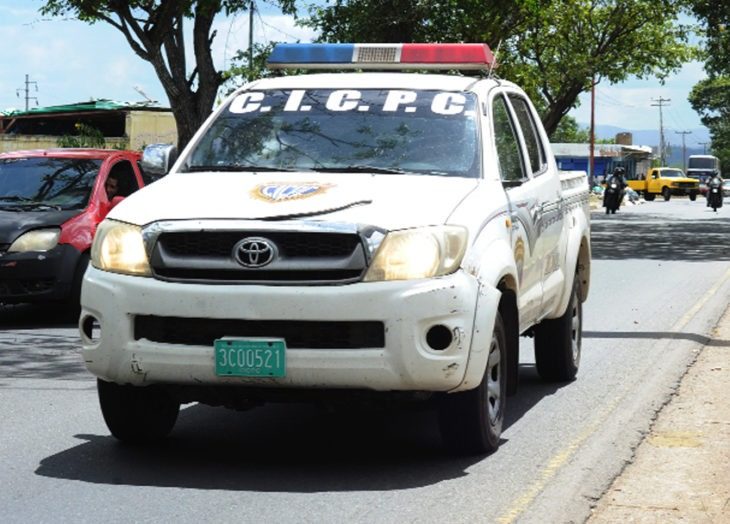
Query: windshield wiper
(361,169)
(15,198)
(237,167)
(40,205)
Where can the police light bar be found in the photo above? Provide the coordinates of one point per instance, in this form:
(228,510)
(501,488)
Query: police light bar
(381,56)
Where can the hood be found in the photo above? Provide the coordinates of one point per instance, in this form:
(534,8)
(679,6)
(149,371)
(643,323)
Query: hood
(388,201)
(15,223)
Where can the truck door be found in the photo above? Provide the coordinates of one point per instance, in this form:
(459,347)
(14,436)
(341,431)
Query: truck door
(544,188)
(524,208)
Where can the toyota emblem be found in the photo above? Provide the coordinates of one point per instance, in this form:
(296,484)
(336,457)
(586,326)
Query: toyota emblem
(253,252)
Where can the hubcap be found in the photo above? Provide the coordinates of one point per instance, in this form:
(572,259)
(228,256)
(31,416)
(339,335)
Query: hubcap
(494,381)
(576,331)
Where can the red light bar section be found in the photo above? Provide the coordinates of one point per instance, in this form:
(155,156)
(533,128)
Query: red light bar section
(447,54)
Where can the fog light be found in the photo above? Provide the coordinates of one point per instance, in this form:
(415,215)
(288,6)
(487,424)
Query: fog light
(439,337)
(90,328)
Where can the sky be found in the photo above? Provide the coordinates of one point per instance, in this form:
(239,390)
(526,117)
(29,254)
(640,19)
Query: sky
(71,61)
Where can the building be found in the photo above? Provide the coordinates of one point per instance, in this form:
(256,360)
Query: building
(636,160)
(124,125)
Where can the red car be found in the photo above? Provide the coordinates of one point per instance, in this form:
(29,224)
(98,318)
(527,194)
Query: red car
(50,204)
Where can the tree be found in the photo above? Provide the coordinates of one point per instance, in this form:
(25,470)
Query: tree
(568,131)
(552,48)
(154,29)
(711,96)
(711,99)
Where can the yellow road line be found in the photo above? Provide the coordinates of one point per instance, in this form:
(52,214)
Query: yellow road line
(520,505)
(682,322)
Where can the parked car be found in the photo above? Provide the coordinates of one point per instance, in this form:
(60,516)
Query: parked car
(726,187)
(50,204)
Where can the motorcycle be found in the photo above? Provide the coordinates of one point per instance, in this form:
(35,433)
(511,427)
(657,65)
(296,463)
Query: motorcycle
(612,197)
(714,194)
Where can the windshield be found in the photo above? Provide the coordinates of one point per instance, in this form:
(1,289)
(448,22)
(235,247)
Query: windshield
(672,173)
(62,183)
(380,131)
(702,163)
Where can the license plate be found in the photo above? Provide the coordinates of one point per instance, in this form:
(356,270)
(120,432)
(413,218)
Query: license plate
(253,357)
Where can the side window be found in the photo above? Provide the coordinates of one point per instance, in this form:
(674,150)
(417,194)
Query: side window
(126,182)
(529,132)
(508,145)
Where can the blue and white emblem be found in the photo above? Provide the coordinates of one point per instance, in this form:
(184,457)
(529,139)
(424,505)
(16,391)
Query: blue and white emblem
(284,192)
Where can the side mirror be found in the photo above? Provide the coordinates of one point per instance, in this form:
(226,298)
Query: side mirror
(115,201)
(157,159)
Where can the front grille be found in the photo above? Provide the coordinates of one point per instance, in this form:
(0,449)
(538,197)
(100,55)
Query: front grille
(296,333)
(10,288)
(302,257)
(687,185)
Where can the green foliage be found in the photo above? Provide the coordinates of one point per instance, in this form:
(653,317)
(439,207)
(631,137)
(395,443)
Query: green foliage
(88,136)
(711,96)
(711,99)
(569,132)
(551,48)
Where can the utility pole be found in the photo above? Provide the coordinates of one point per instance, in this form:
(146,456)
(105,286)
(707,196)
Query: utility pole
(684,149)
(704,146)
(26,90)
(592,138)
(251,10)
(660,103)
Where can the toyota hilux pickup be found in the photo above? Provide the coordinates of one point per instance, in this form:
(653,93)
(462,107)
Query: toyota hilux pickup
(336,237)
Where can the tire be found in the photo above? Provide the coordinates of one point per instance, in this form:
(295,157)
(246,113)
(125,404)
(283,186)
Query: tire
(666,194)
(693,196)
(649,197)
(137,414)
(471,421)
(558,341)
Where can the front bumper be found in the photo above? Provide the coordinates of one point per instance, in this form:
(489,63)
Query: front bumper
(38,276)
(679,191)
(120,352)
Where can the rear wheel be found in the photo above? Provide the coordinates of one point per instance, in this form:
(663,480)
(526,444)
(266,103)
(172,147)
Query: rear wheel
(471,421)
(649,196)
(666,194)
(558,341)
(137,414)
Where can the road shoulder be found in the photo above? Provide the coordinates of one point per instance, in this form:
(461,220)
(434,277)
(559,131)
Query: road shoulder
(681,470)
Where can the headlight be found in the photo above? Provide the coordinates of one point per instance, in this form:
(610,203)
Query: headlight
(418,253)
(119,248)
(38,240)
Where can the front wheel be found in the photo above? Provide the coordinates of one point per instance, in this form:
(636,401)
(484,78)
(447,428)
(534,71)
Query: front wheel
(558,341)
(666,194)
(137,414)
(693,196)
(471,421)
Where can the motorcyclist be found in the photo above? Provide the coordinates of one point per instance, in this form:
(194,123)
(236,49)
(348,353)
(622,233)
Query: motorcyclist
(714,182)
(618,177)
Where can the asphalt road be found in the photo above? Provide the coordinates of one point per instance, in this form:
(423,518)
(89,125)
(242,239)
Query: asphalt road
(660,283)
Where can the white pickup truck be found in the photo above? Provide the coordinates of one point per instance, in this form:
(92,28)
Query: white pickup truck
(344,236)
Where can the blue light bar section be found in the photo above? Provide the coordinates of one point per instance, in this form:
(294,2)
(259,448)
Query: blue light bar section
(312,54)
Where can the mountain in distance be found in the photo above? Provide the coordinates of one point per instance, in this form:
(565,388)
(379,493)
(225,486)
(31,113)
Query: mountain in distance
(650,137)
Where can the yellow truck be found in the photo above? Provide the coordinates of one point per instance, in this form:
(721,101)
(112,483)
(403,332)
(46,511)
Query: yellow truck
(665,181)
